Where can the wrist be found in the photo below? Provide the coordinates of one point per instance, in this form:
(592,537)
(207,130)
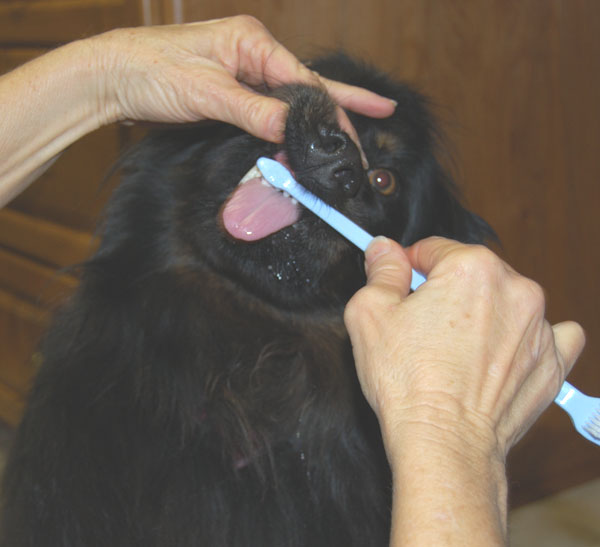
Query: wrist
(78,74)
(100,65)
(436,415)
(449,485)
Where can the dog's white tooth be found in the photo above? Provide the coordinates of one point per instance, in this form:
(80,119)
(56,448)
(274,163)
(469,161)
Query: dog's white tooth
(294,201)
(252,174)
(264,182)
(286,194)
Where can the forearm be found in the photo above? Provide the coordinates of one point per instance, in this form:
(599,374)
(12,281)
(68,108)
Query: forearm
(447,491)
(46,105)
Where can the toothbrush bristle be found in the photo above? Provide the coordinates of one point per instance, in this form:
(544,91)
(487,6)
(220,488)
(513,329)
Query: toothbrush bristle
(593,425)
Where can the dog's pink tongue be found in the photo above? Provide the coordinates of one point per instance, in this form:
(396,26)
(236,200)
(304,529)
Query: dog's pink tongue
(255,211)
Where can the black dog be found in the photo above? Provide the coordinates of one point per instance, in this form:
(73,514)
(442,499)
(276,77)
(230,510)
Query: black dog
(199,388)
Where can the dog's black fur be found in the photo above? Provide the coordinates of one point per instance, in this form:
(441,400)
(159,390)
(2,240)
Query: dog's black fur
(200,390)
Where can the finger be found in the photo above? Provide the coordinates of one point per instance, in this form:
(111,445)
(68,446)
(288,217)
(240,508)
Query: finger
(565,342)
(254,56)
(569,339)
(281,66)
(343,120)
(271,63)
(263,117)
(346,125)
(387,266)
(359,100)
(228,101)
(424,255)
(288,69)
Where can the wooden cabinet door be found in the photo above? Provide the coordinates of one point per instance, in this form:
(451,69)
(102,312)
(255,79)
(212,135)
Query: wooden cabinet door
(49,225)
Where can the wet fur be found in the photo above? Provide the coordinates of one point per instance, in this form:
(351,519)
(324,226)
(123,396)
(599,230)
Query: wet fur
(198,390)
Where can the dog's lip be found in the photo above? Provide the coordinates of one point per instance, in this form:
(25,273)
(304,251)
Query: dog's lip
(256,210)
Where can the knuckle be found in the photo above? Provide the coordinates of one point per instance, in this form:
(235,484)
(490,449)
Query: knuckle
(249,22)
(483,259)
(254,108)
(478,263)
(363,306)
(531,295)
(357,304)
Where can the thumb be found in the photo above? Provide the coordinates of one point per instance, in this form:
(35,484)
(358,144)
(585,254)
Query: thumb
(569,339)
(230,102)
(263,117)
(387,266)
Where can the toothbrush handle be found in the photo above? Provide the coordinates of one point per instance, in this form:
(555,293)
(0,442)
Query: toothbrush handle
(350,230)
(417,280)
(566,392)
(277,175)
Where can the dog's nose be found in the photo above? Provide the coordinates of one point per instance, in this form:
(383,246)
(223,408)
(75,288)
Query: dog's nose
(333,160)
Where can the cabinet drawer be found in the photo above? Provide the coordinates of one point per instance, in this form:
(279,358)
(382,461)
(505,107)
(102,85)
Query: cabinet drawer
(74,190)
(44,242)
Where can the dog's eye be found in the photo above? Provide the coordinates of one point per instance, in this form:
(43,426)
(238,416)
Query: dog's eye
(383,181)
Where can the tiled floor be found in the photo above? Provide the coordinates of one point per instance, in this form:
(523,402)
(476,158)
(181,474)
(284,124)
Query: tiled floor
(568,519)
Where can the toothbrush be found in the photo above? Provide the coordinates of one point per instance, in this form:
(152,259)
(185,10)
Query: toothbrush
(279,177)
(583,409)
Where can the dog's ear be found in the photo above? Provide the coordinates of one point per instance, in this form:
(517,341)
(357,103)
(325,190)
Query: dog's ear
(436,209)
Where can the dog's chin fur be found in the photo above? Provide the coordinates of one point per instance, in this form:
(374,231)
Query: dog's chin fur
(200,390)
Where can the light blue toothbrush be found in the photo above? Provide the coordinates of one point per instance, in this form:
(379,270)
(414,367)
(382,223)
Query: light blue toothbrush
(583,409)
(279,177)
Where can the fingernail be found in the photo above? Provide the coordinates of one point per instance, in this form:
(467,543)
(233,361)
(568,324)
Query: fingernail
(363,159)
(395,103)
(377,248)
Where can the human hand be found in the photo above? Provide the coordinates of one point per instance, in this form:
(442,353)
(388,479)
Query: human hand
(206,70)
(469,350)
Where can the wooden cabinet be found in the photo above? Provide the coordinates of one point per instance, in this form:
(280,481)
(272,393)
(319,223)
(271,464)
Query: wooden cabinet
(49,226)
(52,22)
(517,86)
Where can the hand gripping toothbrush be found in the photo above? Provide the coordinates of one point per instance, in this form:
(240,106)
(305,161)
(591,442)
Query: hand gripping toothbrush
(583,409)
